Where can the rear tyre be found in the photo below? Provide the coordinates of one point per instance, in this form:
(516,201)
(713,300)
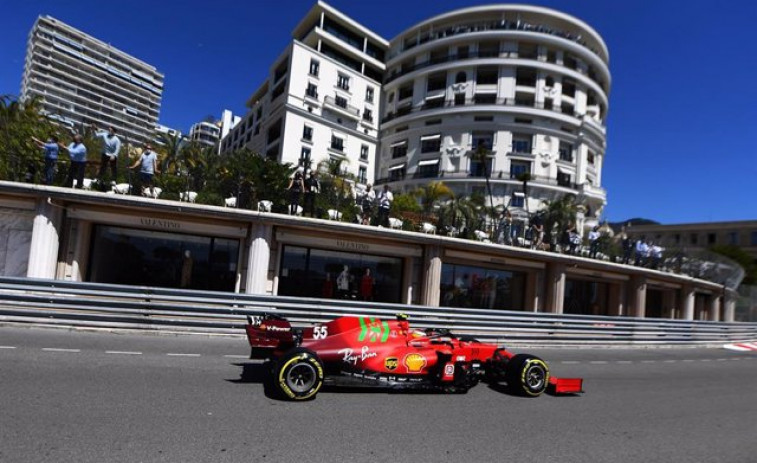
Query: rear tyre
(527,375)
(298,375)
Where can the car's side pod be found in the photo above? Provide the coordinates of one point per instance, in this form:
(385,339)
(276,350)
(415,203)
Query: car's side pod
(270,333)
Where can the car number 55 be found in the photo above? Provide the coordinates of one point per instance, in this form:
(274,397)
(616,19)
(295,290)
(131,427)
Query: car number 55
(320,332)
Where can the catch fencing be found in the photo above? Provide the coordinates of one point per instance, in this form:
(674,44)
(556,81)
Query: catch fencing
(119,307)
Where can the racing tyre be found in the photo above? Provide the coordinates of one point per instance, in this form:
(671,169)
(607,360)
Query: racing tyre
(298,374)
(527,375)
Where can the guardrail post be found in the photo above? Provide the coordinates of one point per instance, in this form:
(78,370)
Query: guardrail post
(258,259)
(432,275)
(43,252)
(555,288)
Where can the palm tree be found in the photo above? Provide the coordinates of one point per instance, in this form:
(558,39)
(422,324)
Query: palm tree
(483,155)
(560,213)
(431,194)
(337,185)
(172,146)
(460,213)
(19,123)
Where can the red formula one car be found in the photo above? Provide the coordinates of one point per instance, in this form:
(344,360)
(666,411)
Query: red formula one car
(368,352)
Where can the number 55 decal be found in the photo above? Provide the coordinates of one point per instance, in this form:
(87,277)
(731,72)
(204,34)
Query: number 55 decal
(320,332)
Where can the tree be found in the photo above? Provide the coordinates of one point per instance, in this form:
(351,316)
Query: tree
(19,123)
(171,151)
(431,194)
(559,213)
(483,156)
(337,188)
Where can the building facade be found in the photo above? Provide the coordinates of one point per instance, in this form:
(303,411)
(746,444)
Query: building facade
(528,85)
(321,100)
(81,79)
(211,132)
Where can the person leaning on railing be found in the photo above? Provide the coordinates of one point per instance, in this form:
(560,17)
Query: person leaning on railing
(78,153)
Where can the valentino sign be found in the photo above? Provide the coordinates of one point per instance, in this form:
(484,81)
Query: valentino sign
(160,223)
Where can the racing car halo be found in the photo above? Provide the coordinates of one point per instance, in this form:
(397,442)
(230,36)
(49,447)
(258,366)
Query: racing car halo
(369,352)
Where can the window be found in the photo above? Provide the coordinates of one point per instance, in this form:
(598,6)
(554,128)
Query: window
(459,99)
(525,77)
(563,179)
(522,143)
(343,82)
(461,78)
(488,49)
(314,67)
(518,168)
(406,92)
(568,87)
(362,174)
(433,122)
(517,200)
(312,90)
(364,152)
(693,239)
(753,239)
(520,120)
(367,115)
(397,173)
(487,75)
(436,81)
(369,94)
(399,149)
(483,118)
(305,158)
(528,50)
(340,101)
(431,143)
(733,238)
(566,152)
(427,169)
(307,133)
(569,61)
(483,139)
(337,143)
(590,158)
(462,52)
(485,98)
(711,238)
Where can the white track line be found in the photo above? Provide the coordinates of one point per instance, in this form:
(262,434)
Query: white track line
(182,355)
(122,352)
(56,349)
(243,357)
(7,347)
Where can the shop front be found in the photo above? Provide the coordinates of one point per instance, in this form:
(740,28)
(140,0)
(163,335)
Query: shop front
(344,268)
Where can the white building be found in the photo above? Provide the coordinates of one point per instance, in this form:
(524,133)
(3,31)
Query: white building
(212,132)
(321,100)
(81,79)
(529,84)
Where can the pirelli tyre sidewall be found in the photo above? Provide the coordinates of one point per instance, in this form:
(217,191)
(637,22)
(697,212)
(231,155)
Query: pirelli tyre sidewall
(527,375)
(298,374)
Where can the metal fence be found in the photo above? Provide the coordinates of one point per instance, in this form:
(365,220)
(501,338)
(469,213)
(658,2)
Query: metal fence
(94,305)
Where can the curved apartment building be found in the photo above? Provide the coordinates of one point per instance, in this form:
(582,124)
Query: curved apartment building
(529,84)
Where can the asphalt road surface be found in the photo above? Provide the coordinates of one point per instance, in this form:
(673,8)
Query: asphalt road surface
(72,396)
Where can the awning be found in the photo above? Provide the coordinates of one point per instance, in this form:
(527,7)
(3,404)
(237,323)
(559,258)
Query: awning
(431,137)
(398,143)
(428,162)
(398,166)
(435,97)
(563,170)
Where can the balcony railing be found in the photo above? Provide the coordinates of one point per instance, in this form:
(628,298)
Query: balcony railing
(435,104)
(496,176)
(493,26)
(342,107)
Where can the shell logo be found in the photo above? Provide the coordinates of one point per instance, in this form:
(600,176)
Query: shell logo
(414,362)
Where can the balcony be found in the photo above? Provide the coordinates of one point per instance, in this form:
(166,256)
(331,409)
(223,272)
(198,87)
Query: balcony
(340,106)
(480,100)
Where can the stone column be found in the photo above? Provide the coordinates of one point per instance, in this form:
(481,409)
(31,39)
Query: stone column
(432,275)
(532,297)
(258,259)
(615,298)
(43,252)
(555,282)
(729,308)
(669,303)
(637,305)
(687,301)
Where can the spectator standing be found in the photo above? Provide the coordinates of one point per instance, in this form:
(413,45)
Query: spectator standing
(78,153)
(385,199)
(148,167)
(504,228)
(655,253)
(537,231)
(50,150)
(312,188)
(111,148)
(366,204)
(594,242)
(641,252)
(627,245)
(574,239)
(296,187)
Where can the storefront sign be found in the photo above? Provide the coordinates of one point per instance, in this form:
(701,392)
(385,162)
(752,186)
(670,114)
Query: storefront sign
(506,261)
(349,245)
(158,223)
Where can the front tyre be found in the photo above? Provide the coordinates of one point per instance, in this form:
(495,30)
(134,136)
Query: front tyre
(298,374)
(527,375)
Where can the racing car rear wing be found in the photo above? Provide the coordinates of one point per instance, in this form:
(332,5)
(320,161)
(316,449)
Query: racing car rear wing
(269,333)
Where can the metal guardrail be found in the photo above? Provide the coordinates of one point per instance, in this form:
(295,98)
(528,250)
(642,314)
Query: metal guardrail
(96,305)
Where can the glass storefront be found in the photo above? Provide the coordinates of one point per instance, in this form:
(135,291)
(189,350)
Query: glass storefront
(309,272)
(468,286)
(154,258)
(584,297)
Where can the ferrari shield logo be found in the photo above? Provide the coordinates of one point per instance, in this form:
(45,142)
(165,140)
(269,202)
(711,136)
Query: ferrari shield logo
(391,363)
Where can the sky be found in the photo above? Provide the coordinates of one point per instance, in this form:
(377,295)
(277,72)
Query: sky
(681,143)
